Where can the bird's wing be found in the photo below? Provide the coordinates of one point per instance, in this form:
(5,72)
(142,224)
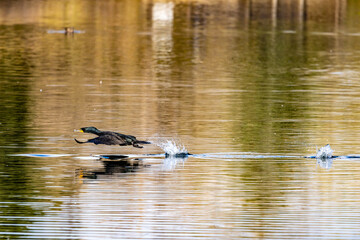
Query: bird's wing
(108,140)
(128,138)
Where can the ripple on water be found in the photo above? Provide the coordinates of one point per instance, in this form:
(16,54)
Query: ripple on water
(40,155)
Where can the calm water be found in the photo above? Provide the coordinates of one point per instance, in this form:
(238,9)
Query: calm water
(248,89)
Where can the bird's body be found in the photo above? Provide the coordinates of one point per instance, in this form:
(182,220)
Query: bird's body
(69,30)
(111,138)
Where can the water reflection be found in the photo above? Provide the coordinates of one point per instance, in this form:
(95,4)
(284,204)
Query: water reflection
(325,162)
(113,168)
(170,162)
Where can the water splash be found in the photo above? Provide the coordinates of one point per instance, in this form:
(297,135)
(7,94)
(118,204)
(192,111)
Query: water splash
(324,152)
(172,148)
(175,153)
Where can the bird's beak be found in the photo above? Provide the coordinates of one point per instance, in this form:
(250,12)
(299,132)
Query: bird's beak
(80,130)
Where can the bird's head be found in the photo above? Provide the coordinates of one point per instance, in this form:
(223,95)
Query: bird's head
(90,130)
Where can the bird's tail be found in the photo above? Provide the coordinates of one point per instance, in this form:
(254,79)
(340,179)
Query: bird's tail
(78,141)
(143,142)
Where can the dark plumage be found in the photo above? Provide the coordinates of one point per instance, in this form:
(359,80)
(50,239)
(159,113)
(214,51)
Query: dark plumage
(69,30)
(111,138)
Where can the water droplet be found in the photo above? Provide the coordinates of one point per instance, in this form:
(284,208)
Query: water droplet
(171,147)
(324,152)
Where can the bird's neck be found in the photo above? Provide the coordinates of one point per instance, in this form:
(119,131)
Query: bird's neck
(96,131)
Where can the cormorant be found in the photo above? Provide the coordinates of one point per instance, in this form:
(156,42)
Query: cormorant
(69,30)
(111,138)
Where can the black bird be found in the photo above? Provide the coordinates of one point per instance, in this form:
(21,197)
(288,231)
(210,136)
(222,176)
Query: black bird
(111,138)
(69,30)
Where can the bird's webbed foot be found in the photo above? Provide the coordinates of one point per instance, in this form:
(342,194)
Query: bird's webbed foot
(137,145)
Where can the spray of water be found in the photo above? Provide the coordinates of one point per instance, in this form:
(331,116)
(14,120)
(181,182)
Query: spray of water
(324,152)
(175,153)
(171,147)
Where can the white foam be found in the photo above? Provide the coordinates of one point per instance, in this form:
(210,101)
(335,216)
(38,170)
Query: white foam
(171,147)
(324,152)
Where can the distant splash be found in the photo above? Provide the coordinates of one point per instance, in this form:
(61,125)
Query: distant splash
(324,157)
(324,152)
(172,148)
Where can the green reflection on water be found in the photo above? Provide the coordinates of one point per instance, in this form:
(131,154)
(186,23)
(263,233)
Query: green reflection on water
(22,188)
(16,185)
(272,107)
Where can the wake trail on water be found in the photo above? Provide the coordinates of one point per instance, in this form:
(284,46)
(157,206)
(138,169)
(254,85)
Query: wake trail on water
(174,148)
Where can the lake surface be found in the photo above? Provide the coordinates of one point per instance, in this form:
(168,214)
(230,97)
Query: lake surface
(248,87)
